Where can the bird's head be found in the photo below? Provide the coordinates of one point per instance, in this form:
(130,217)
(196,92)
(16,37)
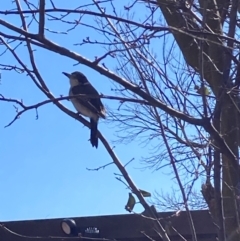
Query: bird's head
(76,78)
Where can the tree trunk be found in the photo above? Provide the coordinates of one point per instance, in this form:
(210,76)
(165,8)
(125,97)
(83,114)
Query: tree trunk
(216,71)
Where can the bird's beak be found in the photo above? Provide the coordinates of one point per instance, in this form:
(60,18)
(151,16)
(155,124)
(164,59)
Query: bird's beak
(68,75)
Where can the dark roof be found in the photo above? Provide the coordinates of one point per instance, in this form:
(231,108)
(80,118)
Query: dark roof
(119,227)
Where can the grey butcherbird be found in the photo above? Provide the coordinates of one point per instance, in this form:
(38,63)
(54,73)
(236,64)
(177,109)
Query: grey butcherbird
(91,107)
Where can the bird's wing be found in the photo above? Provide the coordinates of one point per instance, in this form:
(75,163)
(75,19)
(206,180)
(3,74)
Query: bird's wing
(94,104)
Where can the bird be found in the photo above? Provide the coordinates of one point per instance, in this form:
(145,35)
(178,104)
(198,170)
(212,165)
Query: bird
(91,106)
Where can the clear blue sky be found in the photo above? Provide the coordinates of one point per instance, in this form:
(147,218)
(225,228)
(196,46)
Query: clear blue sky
(43,162)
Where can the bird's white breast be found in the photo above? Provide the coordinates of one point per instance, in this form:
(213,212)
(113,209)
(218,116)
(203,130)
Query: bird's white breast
(73,82)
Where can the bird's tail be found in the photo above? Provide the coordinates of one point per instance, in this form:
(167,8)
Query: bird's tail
(94,131)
